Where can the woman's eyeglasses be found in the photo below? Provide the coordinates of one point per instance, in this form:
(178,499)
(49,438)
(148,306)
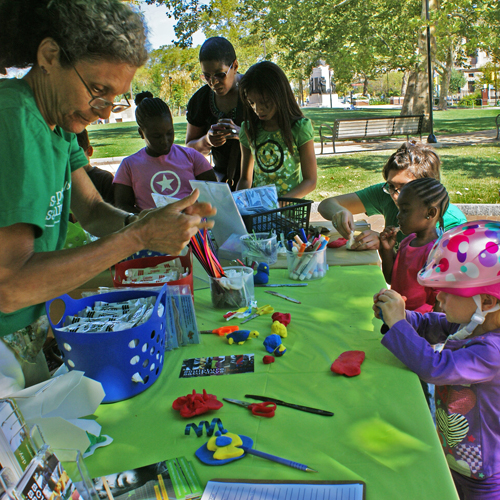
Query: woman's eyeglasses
(100,102)
(390,189)
(208,77)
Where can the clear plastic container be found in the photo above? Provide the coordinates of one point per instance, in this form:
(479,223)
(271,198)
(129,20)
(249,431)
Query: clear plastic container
(309,266)
(260,247)
(233,291)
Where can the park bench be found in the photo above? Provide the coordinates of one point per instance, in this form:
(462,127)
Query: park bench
(498,127)
(363,128)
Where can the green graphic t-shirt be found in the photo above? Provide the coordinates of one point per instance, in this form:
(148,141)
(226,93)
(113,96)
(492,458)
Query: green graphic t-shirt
(273,162)
(35,179)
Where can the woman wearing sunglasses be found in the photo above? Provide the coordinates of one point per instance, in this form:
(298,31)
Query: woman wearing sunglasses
(215,112)
(82,56)
(409,162)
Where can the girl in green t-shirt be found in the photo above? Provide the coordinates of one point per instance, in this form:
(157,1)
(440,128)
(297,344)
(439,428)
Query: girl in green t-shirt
(276,139)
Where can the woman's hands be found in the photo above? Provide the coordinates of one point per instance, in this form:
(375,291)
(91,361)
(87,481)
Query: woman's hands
(169,229)
(219,132)
(343,222)
(392,306)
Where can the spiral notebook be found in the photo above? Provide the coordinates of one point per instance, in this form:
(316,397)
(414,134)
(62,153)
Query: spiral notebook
(229,489)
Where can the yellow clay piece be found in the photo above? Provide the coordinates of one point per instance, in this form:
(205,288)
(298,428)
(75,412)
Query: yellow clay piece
(225,452)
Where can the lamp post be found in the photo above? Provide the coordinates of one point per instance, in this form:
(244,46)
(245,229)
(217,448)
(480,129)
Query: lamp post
(431,138)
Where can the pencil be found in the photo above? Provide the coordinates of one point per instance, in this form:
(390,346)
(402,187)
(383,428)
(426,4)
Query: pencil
(280,460)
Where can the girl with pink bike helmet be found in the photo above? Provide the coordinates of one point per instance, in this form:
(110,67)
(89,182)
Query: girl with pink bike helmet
(458,351)
(465,261)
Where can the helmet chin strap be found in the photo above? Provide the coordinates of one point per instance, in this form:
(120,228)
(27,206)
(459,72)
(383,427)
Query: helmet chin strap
(477,319)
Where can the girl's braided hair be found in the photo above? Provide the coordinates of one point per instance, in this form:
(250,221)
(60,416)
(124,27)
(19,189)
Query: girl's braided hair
(432,194)
(149,107)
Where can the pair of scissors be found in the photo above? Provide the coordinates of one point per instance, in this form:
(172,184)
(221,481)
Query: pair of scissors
(264,409)
(267,309)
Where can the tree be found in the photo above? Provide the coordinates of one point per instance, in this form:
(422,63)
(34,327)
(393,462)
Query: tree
(457,81)
(360,41)
(170,67)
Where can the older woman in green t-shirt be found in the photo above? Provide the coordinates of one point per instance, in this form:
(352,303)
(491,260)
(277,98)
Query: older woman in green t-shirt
(409,162)
(82,54)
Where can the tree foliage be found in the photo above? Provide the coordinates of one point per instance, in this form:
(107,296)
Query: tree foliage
(360,40)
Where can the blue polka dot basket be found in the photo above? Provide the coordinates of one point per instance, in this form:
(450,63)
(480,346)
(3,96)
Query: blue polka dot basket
(125,362)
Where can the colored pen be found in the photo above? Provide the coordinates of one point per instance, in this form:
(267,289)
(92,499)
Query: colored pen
(284,284)
(280,460)
(291,405)
(283,296)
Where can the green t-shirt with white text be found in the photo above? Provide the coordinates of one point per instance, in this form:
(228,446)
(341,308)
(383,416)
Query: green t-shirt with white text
(35,179)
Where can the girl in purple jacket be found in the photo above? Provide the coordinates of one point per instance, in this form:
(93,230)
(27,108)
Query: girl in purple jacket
(458,351)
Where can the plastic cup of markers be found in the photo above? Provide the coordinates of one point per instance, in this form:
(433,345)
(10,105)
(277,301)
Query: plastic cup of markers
(233,291)
(309,266)
(260,247)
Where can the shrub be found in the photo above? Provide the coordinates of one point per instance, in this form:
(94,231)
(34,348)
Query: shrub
(471,99)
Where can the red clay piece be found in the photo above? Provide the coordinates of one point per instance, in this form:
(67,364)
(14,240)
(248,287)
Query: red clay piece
(268,359)
(196,404)
(349,363)
(337,243)
(283,318)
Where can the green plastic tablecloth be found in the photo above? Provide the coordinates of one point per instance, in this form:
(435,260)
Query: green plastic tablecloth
(382,432)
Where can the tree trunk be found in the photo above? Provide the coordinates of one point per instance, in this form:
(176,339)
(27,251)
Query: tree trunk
(404,83)
(365,85)
(301,92)
(445,79)
(417,99)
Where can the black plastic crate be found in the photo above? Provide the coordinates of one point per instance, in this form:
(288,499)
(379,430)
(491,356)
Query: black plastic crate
(292,216)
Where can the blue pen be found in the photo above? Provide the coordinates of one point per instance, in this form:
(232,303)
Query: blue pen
(303,234)
(290,245)
(280,460)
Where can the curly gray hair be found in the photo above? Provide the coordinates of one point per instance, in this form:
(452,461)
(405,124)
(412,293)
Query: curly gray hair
(85,29)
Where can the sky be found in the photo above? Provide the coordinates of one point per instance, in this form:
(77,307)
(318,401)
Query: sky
(161,27)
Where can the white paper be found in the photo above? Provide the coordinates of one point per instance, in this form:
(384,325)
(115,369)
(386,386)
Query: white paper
(71,395)
(56,405)
(162,200)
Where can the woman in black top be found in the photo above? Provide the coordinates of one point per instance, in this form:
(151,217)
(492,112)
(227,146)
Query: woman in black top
(215,112)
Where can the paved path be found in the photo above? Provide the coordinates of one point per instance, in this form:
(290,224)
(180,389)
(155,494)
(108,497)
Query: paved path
(465,139)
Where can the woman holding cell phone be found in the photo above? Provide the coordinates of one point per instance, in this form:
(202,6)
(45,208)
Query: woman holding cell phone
(215,112)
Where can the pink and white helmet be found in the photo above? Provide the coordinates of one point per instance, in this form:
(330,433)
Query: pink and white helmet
(465,260)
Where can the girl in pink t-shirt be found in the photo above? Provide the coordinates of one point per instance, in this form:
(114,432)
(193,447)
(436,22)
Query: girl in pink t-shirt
(421,204)
(161,167)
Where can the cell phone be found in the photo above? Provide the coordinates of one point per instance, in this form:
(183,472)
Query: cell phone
(222,127)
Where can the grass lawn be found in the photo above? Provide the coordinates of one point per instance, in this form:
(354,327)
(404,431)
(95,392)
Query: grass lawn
(471,174)
(453,121)
(122,139)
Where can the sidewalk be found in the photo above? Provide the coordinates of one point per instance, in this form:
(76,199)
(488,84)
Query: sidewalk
(465,139)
